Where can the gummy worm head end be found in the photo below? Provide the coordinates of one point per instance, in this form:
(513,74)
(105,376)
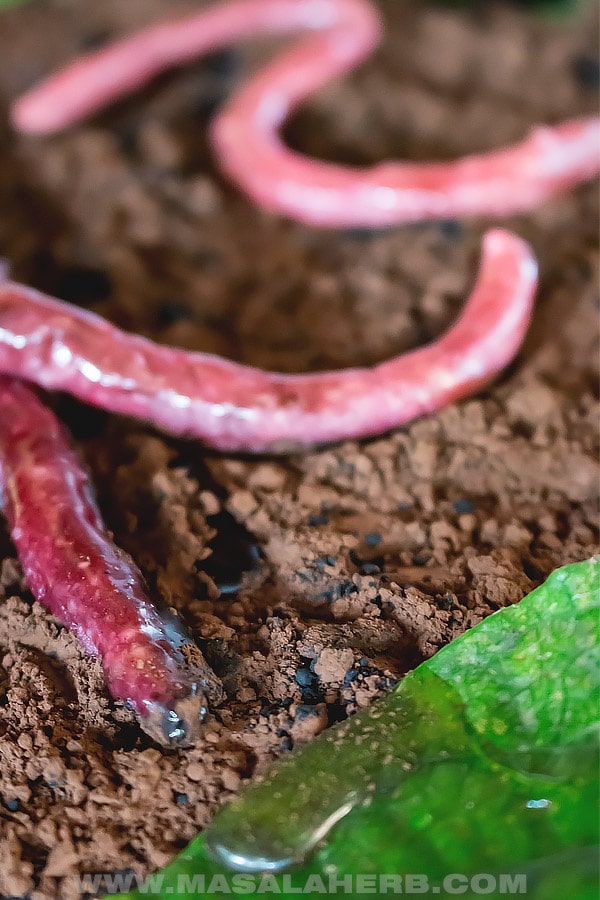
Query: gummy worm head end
(178,724)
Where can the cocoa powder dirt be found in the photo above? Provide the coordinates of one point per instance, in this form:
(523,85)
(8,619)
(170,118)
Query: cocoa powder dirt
(314,582)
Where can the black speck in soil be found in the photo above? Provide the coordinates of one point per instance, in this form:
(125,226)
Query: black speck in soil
(93,40)
(532,571)
(586,70)
(85,287)
(315,520)
(309,683)
(451,229)
(305,677)
(171,311)
(234,551)
(304,711)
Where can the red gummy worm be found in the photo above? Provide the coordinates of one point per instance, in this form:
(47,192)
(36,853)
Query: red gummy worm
(342,32)
(236,407)
(68,558)
(73,568)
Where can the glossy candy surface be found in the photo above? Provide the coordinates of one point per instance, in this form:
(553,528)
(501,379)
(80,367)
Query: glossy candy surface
(340,33)
(75,570)
(71,565)
(235,407)
(479,770)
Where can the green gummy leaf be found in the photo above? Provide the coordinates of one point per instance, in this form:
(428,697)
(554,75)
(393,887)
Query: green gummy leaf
(481,766)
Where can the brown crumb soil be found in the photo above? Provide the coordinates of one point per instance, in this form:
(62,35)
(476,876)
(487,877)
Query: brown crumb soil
(342,568)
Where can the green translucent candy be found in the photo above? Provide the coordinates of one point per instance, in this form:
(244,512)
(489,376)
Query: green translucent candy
(482,762)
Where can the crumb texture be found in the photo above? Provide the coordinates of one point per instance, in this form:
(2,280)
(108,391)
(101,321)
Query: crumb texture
(311,582)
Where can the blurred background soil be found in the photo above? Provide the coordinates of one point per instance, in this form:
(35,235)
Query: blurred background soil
(312,582)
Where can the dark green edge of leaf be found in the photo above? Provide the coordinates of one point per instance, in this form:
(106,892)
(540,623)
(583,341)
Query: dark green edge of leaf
(570,589)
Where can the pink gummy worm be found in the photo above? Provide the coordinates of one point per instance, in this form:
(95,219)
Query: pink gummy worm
(245,134)
(236,407)
(73,568)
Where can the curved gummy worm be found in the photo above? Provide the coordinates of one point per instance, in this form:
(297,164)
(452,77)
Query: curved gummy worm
(73,568)
(342,32)
(69,560)
(236,407)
